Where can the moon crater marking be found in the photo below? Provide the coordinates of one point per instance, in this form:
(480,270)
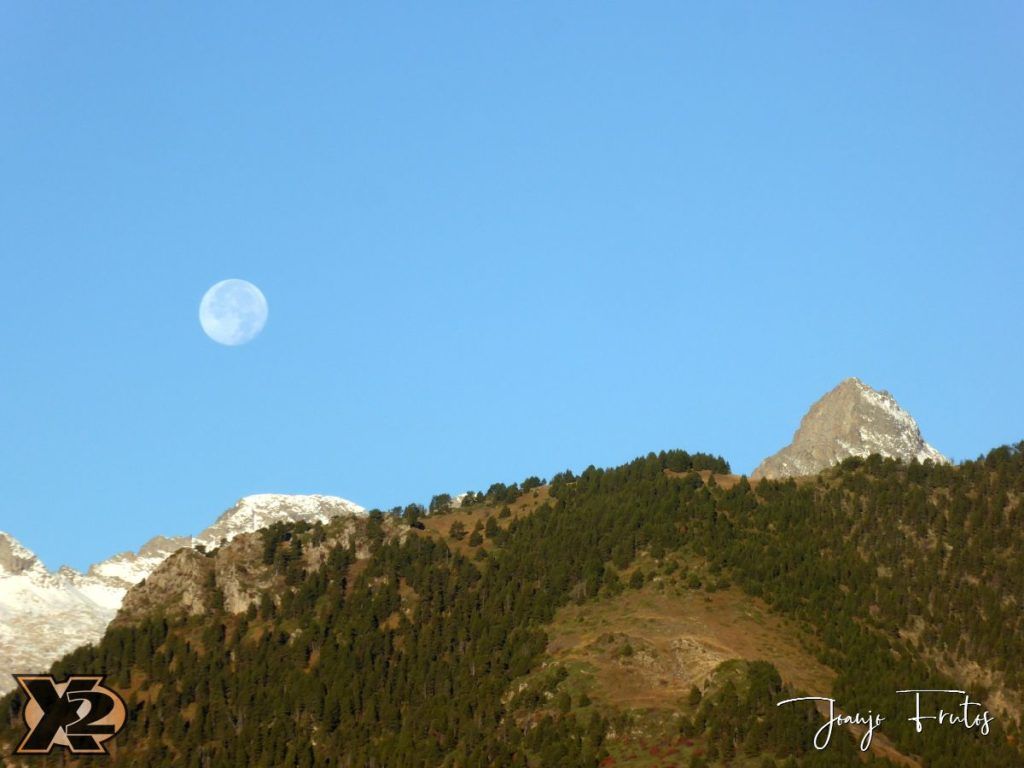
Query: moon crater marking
(233,312)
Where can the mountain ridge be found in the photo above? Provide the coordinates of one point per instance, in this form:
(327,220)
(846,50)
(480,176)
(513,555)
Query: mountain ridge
(45,614)
(640,615)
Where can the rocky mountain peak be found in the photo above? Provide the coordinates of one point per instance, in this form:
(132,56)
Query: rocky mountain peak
(160,545)
(128,568)
(853,419)
(15,558)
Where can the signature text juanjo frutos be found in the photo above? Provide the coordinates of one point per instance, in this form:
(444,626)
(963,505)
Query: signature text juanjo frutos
(964,713)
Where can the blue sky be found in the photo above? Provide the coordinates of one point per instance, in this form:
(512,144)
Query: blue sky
(496,240)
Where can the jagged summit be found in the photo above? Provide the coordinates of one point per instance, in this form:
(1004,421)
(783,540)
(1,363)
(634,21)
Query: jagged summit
(15,557)
(851,420)
(126,569)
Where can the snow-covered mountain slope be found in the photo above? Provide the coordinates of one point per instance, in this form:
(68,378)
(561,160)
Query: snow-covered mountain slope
(128,568)
(851,420)
(260,510)
(45,614)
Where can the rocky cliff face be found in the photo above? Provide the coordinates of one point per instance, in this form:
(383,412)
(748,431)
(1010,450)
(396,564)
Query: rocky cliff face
(851,420)
(14,558)
(235,576)
(44,614)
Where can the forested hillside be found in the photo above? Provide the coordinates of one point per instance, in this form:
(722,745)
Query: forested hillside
(423,639)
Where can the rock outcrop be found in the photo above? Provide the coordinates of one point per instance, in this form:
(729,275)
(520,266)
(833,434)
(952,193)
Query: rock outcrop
(851,420)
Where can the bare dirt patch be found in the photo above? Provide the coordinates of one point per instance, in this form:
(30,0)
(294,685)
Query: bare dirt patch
(647,648)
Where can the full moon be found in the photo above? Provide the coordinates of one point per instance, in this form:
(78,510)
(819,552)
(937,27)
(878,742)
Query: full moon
(233,312)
